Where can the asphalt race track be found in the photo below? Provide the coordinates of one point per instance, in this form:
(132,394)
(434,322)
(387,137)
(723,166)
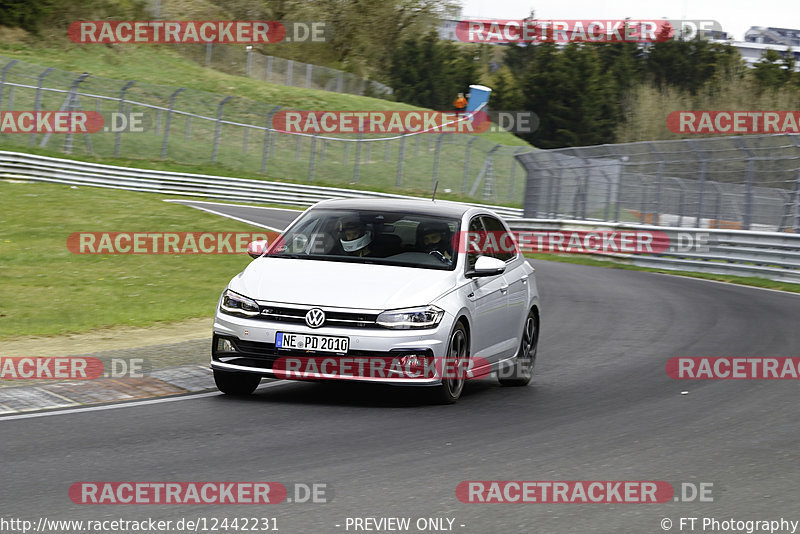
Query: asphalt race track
(601,407)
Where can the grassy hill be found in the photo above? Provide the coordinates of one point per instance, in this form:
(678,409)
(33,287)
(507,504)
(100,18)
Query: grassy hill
(158,70)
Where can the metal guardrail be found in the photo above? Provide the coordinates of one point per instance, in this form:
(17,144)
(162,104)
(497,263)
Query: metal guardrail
(21,166)
(772,255)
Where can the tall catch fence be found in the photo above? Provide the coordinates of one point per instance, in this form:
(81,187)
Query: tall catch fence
(194,127)
(744,182)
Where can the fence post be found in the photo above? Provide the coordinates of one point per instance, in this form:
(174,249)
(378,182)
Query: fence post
(218,129)
(703,169)
(748,187)
(71,97)
(168,121)
(309,68)
(624,164)
(265,150)
(720,195)
(657,212)
(3,79)
(38,102)
(400,155)
(312,158)
(339,82)
(358,156)
(118,136)
(268,73)
(487,169)
(466,165)
(208,54)
(249,61)
(289,69)
(514,162)
(436,157)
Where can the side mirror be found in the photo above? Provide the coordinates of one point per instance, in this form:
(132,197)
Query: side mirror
(487,266)
(256,249)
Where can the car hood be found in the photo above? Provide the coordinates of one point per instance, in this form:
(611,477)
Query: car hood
(341,284)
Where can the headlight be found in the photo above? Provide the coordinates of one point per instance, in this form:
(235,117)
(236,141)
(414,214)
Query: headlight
(422,317)
(236,304)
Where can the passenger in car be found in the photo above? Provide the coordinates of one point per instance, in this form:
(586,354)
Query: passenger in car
(435,238)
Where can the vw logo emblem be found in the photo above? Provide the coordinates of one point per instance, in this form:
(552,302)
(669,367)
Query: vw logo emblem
(315,318)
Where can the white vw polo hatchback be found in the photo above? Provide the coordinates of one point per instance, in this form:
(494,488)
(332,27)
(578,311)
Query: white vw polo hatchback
(403,292)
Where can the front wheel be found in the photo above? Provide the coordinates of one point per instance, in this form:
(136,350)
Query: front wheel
(236,384)
(521,372)
(452,370)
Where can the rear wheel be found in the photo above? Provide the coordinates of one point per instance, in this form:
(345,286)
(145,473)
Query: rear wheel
(452,369)
(236,384)
(521,372)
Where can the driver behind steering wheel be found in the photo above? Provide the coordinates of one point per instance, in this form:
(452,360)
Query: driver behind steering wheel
(434,238)
(355,237)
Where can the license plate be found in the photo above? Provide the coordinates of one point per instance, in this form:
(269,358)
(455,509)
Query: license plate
(286,340)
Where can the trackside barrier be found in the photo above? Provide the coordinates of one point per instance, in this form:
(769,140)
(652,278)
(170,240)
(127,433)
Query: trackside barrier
(21,166)
(772,255)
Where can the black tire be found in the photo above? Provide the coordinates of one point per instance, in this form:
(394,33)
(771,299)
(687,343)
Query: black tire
(236,384)
(457,349)
(521,372)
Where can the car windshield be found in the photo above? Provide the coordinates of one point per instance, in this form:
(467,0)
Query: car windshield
(389,238)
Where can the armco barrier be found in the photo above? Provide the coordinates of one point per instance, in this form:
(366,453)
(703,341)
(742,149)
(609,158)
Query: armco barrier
(772,255)
(21,166)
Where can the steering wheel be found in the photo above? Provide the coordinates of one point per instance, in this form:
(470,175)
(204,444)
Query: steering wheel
(441,257)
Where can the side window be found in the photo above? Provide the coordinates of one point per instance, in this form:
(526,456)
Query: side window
(476,226)
(503,243)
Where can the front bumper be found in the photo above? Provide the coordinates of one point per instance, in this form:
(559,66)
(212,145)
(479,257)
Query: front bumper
(248,346)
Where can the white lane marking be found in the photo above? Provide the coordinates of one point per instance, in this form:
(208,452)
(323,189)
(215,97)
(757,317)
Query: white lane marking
(129,404)
(222,214)
(734,284)
(182,201)
(729,283)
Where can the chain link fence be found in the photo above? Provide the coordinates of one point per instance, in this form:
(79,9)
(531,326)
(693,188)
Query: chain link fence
(743,182)
(238,60)
(195,127)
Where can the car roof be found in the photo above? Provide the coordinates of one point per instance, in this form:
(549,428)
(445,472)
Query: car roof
(440,208)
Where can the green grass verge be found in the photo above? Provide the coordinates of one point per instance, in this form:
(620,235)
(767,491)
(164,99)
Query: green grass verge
(48,290)
(614,264)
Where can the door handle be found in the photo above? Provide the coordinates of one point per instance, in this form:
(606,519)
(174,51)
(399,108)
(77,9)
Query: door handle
(504,289)
(524,279)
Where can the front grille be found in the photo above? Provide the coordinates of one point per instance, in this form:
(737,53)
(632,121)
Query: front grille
(267,351)
(285,314)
